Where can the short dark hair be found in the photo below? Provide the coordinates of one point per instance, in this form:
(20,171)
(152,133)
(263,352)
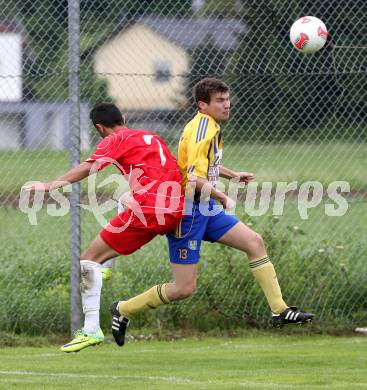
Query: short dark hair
(205,88)
(106,114)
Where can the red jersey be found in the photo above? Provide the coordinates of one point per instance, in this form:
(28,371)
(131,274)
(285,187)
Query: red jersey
(145,161)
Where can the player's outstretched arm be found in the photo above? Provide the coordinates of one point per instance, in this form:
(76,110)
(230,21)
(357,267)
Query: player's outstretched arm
(227,173)
(75,174)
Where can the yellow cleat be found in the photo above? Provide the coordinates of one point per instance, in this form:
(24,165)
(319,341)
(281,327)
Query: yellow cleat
(83,340)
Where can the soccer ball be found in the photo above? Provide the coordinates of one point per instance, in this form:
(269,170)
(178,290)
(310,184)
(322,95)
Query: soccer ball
(308,34)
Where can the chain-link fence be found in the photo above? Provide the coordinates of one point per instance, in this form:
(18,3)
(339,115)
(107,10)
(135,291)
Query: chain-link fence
(294,119)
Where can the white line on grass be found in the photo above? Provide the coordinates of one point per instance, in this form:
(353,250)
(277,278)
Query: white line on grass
(92,376)
(171,379)
(182,381)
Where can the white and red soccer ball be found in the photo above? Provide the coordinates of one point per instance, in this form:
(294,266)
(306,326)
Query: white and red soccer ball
(308,34)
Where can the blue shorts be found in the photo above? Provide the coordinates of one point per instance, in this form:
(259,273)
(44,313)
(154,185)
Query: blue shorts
(184,244)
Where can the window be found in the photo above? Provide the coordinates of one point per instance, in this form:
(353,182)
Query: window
(162,71)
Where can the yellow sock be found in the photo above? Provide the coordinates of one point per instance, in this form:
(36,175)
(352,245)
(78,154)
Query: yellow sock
(264,272)
(149,299)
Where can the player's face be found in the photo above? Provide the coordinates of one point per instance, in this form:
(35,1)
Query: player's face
(218,107)
(104,131)
(101,130)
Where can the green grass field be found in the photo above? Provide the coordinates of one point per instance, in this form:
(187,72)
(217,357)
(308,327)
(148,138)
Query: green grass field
(326,253)
(257,362)
(325,162)
(328,259)
(318,225)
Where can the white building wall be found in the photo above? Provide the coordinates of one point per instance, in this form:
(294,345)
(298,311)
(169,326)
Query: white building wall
(10,67)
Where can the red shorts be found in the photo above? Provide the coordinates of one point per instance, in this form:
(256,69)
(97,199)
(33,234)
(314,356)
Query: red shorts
(127,233)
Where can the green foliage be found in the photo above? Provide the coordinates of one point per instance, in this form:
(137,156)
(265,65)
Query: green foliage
(277,90)
(53,86)
(133,8)
(46,34)
(225,8)
(315,273)
(35,281)
(318,276)
(278,162)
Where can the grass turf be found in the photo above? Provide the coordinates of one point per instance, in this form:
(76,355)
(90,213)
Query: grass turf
(256,362)
(324,162)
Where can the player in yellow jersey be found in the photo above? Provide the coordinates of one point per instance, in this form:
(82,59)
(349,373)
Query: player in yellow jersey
(199,159)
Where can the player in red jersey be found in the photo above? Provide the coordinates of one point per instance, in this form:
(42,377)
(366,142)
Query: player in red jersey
(153,206)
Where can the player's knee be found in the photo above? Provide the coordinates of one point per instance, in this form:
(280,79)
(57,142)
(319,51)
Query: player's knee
(255,243)
(259,240)
(87,254)
(92,255)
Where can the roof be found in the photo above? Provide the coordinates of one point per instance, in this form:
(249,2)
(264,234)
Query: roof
(190,33)
(7,25)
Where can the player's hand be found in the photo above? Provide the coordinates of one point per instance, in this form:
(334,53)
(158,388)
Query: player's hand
(227,203)
(245,177)
(37,187)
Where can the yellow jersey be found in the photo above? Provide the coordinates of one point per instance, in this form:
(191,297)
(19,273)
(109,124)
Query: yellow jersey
(200,149)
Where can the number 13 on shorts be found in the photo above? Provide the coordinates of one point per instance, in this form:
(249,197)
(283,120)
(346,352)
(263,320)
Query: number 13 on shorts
(182,253)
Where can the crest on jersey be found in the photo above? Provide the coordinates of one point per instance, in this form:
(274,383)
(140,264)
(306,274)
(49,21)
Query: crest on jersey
(193,244)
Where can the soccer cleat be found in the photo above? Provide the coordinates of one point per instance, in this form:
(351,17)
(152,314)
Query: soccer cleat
(83,340)
(119,324)
(291,316)
(106,274)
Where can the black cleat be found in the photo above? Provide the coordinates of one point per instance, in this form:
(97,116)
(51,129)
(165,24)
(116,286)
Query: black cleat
(119,325)
(291,316)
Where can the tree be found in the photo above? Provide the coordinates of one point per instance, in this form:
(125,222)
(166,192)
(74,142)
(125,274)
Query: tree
(46,25)
(279,92)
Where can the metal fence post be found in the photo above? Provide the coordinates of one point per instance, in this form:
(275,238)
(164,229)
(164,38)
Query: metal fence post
(74,128)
